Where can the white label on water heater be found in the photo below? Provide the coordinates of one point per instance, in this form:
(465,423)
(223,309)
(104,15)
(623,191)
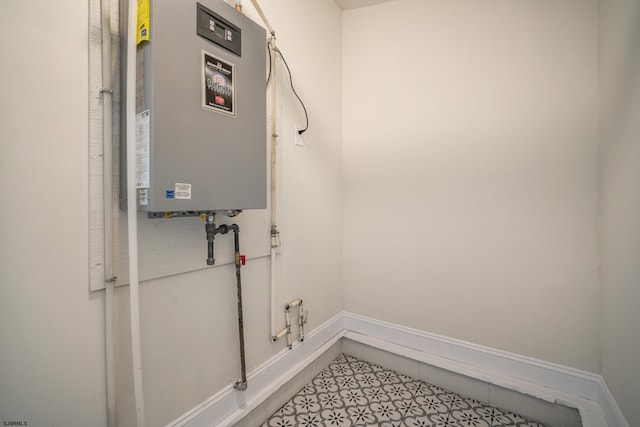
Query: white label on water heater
(143,196)
(142,150)
(183,191)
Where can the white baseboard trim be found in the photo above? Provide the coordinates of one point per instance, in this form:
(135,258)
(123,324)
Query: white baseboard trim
(562,378)
(230,405)
(551,382)
(554,383)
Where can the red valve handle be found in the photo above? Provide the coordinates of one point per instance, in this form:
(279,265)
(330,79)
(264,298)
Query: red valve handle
(243,259)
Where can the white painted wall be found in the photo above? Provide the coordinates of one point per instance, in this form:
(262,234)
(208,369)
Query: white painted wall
(470,172)
(620,94)
(51,327)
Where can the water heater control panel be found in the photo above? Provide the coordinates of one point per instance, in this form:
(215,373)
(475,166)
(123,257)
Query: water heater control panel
(218,30)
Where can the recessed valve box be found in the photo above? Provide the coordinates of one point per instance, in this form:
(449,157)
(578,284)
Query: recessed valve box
(200,108)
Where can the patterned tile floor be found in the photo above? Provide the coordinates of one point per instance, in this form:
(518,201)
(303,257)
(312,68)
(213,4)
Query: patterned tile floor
(351,392)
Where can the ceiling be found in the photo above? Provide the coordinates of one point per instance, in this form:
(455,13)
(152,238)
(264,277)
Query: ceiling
(354,4)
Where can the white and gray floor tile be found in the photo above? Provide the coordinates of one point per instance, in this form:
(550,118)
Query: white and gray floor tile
(351,392)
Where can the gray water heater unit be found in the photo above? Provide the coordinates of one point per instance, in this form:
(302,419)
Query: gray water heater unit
(200,109)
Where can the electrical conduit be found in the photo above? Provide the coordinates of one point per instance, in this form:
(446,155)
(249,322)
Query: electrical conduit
(274,228)
(107,165)
(275,234)
(132,215)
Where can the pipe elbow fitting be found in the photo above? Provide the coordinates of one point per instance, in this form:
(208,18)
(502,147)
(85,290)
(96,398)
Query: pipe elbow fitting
(240,385)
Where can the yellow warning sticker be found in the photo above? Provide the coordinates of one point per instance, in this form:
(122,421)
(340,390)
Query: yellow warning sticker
(142,33)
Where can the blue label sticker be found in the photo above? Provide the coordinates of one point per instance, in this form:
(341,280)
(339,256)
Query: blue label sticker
(171,194)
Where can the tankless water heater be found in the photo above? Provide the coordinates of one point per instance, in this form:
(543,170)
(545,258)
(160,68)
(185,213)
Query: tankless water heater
(200,108)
